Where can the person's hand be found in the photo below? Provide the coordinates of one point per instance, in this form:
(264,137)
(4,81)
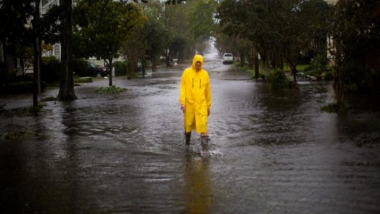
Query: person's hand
(208,112)
(183,108)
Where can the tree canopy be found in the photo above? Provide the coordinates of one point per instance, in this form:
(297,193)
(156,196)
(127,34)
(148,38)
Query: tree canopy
(102,27)
(280,30)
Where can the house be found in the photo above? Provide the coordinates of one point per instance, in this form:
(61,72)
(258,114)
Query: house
(11,62)
(44,8)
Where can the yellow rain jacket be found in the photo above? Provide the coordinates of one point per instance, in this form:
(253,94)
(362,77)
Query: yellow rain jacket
(195,95)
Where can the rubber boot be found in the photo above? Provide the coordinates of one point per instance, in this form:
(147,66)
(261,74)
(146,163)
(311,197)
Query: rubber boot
(204,142)
(188,137)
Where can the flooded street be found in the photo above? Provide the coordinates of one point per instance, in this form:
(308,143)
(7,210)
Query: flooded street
(270,152)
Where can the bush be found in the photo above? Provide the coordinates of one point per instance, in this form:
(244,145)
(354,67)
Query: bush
(20,87)
(82,80)
(319,62)
(328,76)
(261,75)
(121,68)
(3,74)
(278,80)
(334,108)
(308,68)
(80,67)
(50,69)
(110,90)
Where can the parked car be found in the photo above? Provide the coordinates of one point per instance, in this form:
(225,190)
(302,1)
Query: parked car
(228,58)
(96,70)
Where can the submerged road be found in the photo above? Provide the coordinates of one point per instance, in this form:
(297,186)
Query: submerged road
(270,152)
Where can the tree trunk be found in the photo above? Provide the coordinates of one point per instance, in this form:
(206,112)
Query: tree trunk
(293,68)
(154,64)
(339,84)
(294,72)
(242,58)
(339,87)
(340,76)
(66,89)
(143,68)
(110,75)
(257,65)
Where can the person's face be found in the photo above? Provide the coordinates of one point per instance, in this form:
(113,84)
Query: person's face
(198,65)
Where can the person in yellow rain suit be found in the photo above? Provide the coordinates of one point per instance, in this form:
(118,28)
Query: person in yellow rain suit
(195,99)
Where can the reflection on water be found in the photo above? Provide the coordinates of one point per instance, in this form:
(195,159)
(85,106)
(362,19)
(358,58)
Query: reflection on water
(198,185)
(125,153)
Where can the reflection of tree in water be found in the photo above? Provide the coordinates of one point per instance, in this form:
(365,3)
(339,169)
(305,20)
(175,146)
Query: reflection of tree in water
(198,186)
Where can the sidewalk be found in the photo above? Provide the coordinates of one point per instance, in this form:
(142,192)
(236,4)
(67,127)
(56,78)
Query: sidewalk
(13,101)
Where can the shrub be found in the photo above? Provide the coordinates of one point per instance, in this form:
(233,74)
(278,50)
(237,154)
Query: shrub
(308,68)
(121,68)
(110,90)
(83,80)
(50,69)
(319,62)
(328,76)
(20,87)
(278,80)
(261,75)
(49,99)
(3,74)
(334,108)
(80,67)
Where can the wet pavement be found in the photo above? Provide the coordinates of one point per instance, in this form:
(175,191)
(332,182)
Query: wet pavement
(270,152)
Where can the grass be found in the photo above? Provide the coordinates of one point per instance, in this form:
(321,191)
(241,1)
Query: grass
(47,99)
(298,67)
(110,90)
(30,109)
(334,108)
(264,72)
(16,135)
(82,80)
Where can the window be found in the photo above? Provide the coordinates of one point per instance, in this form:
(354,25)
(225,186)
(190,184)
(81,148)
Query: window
(57,51)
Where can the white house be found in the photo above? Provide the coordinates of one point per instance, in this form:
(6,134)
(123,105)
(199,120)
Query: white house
(44,8)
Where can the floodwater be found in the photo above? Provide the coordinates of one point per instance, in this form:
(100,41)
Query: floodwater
(270,152)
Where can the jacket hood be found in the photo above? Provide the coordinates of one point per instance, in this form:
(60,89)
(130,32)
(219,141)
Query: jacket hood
(197,58)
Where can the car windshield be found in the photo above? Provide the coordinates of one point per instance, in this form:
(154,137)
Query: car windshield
(227,54)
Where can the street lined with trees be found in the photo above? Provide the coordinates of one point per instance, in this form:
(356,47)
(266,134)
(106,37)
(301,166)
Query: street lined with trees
(295,31)
(275,34)
(123,150)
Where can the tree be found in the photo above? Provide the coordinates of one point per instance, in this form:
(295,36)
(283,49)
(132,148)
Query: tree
(201,19)
(14,17)
(355,34)
(146,42)
(23,27)
(66,88)
(174,19)
(135,48)
(36,23)
(280,29)
(153,27)
(245,39)
(155,44)
(102,27)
